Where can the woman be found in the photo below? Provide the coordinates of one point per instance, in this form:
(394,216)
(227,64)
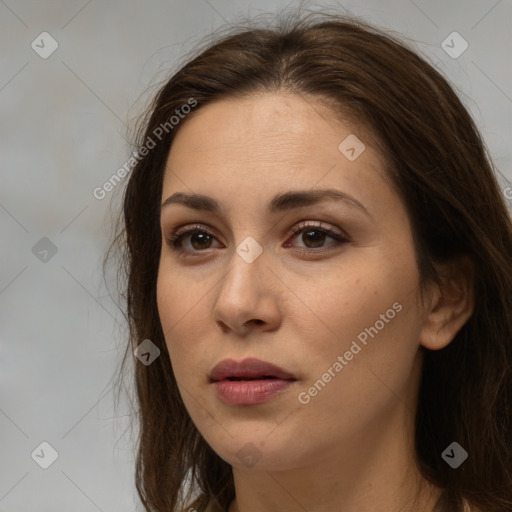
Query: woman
(318,260)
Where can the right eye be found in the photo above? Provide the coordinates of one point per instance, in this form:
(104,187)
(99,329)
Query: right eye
(200,239)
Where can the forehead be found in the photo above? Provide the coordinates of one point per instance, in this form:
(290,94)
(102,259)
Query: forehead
(266,140)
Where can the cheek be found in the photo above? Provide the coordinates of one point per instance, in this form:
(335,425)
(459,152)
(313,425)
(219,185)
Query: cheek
(351,296)
(176,299)
(183,312)
(366,311)
(172,309)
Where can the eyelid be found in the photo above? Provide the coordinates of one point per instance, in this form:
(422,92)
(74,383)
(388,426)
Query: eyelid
(190,227)
(303,224)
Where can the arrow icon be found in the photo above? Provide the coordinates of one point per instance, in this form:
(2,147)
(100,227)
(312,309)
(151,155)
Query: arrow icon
(249,249)
(146,352)
(454,45)
(249,454)
(44,45)
(351,147)
(44,455)
(454,455)
(44,250)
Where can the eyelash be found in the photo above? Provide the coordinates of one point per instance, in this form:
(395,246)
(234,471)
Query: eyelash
(175,238)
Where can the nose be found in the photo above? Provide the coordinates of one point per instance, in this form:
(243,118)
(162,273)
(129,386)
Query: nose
(247,297)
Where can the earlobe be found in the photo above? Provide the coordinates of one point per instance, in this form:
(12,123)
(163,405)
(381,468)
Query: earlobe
(451,306)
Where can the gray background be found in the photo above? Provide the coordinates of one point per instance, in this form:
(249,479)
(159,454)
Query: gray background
(65,121)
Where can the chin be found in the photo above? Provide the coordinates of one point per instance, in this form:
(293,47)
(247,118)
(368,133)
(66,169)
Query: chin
(259,452)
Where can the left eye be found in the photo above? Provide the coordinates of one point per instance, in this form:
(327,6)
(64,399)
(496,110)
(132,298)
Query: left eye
(316,235)
(313,236)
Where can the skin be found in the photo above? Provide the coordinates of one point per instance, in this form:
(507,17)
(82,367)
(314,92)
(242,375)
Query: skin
(300,304)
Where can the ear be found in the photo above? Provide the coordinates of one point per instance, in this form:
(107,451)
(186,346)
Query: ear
(451,305)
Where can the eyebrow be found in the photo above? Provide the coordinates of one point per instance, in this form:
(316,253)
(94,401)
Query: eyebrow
(279,203)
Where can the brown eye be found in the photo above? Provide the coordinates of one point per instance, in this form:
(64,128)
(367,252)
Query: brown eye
(314,236)
(202,239)
(199,239)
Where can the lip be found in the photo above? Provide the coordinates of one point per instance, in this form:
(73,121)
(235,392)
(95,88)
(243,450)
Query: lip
(246,369)
(256,381)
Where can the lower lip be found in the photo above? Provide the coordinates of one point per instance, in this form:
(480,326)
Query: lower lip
(250,392)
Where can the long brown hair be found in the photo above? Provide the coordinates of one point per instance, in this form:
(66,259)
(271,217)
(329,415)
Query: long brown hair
(438,162)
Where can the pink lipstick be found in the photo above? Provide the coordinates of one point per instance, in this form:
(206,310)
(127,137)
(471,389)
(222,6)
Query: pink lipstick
(249,382)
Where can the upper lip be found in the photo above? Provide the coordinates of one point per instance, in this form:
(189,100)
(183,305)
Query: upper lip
(249,368)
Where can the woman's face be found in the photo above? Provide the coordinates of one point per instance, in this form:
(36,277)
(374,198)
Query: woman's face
(338,313)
